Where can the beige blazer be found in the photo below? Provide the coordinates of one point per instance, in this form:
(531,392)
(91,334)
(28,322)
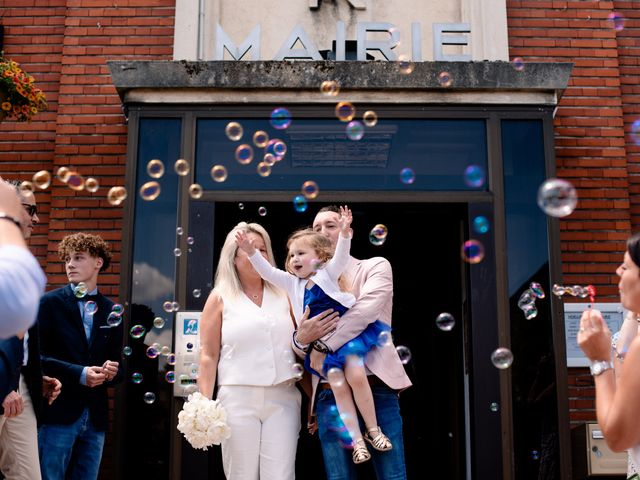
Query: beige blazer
(371,283)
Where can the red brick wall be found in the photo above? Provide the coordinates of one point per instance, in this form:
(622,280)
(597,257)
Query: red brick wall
(592,150)
(64,44)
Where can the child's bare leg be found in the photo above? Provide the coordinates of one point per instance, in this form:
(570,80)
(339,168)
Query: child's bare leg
(347,409)
(356,377)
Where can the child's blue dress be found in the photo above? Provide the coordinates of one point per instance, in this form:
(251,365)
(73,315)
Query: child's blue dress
(318,301)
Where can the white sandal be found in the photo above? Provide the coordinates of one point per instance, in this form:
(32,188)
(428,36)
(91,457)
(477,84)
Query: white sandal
(360,453)
(378,440)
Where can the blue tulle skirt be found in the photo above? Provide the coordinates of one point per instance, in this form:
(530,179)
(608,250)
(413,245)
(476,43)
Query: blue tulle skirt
(360,346)
(318,301)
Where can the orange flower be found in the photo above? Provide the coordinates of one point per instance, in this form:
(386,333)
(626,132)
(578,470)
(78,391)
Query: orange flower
(6,106)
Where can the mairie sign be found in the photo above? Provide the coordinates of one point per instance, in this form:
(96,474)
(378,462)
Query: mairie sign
(443,34)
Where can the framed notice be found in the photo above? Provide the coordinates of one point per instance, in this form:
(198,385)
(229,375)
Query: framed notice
(613,314)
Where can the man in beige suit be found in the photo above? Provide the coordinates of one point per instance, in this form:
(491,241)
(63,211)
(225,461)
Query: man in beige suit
(371,282)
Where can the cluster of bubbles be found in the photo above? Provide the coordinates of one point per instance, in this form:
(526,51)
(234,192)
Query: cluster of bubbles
(75,181)
(575,291)
(170,306)
(557,197)
(527,301)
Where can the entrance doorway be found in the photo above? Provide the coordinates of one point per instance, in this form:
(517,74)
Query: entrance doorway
(429,278)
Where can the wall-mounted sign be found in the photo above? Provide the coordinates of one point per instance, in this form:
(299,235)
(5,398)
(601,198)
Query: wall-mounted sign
(613,315)
(444,34)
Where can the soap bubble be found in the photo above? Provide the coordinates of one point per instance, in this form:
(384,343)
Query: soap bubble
(335,377)
(219,173)
(155,168)
(263,169)
(182,167)
(445,79)
(234,131)
(262,211)
(445,322)
(355,130)
(136,377)
(280,118)
(502,358)
(404,353)
(149,398)
(378,234)
(116,195)
(474,176)
(91,185)
(150,191)
(384,338)
(518,64)
(195,191)
(310,189)
(557,197)
(75,181)
(158,322)
(196,293)
(472,251)
(405,65)
(244,154)
(345,111)
(260,139)
(616,21)
(300,203)
(481,224)
(41,179)
(407,176)
(137,331)
(537,289)
(370,118)
(330,88)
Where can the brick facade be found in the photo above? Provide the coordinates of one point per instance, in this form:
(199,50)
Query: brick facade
(64,45)
(593,147)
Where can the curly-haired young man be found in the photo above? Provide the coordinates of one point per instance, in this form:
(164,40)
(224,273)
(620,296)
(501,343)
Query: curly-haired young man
(80,347)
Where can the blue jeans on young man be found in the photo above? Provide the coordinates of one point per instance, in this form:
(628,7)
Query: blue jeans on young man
(338,462)
(75,448)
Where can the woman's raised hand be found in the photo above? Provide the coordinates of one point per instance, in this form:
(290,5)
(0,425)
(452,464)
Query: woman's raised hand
(345,219)
(594,337)
(244,242)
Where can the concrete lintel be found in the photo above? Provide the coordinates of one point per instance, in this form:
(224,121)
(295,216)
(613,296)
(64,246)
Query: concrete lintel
(390,97)
(251,76)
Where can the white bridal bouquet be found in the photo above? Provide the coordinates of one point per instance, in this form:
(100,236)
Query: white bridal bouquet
(203,422)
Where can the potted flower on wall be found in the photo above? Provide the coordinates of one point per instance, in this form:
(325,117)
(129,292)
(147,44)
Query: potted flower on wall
(19,97)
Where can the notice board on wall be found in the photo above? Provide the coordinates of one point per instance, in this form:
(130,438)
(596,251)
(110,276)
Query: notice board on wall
(613,315)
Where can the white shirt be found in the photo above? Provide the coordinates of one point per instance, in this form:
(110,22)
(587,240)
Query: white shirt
(22,284)
(326,278)
(255,341)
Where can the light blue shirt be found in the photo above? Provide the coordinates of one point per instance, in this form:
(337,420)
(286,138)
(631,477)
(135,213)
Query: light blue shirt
(87,322)
(21,286)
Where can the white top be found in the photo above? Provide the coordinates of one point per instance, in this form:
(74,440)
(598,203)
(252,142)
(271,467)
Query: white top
(326,277)
(255,341)
(22,284)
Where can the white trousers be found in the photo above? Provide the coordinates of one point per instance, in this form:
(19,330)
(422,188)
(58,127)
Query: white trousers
(19,442)
(265,424)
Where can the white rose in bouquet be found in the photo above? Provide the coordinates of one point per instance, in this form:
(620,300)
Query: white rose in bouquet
(203,422)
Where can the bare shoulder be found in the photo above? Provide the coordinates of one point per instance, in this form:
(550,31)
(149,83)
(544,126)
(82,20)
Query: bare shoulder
(214,304)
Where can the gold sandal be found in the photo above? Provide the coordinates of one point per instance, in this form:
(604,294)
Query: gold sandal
(378,440)
(360,452)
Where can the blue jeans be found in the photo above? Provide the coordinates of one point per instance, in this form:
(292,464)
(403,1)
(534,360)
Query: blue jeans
(74,448)
(334,437)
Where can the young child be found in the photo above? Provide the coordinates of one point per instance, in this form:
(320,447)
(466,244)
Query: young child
(311,280)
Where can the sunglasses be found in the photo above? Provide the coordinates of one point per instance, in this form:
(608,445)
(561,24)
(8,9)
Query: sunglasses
(31,209)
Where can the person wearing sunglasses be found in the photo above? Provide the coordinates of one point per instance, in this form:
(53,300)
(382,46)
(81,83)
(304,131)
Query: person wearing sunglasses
(23,404)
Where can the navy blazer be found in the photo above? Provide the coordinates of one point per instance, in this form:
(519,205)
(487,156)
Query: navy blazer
(66,351)
(11,356)
(32,372)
